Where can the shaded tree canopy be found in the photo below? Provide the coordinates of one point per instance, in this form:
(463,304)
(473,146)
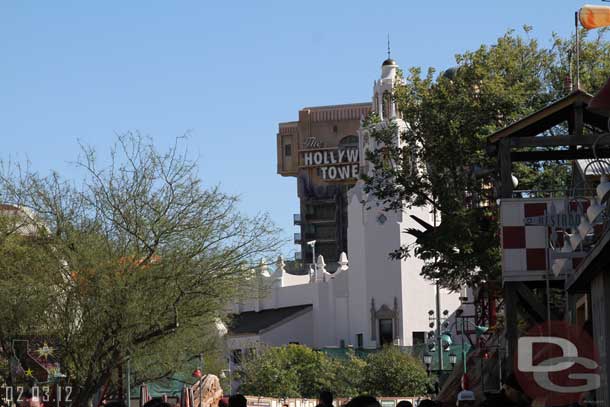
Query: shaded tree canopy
(136,260)
(442,160)
(298,371)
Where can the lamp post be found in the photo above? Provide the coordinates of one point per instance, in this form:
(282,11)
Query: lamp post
(452,359)
(128,381)
(427,361)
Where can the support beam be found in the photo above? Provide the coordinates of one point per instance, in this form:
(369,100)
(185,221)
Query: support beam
(511,323)
(560,141)
(558,155)
(531,303)
(506,167)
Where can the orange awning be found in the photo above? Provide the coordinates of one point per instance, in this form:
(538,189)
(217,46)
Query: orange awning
(594,16)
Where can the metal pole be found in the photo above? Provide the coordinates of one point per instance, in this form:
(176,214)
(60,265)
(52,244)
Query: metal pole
(577,51)
(463,348)
(438,314)
(128,382)
(438,327)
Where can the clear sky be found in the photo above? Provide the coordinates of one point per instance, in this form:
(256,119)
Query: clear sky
(226,72)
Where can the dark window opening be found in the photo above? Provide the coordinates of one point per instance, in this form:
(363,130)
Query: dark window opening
(360,341)
(288,150)
(419,338)
(236,356)
(386,332)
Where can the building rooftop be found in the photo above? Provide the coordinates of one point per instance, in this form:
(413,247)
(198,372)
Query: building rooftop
(252,322)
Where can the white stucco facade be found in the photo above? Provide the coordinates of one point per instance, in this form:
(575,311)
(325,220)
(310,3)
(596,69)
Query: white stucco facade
(371,299)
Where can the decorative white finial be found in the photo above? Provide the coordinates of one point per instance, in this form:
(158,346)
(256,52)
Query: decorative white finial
(281,265)
(263,268)
(280,270)
(320,268)
(343,263)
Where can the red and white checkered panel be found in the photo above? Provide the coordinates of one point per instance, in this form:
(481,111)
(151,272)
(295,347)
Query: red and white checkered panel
(524,248)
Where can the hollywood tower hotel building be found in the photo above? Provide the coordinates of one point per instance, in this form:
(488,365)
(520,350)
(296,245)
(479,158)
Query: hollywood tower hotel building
(355,295)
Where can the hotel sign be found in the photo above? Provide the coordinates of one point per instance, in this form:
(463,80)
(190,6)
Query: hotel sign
(560,220)
(335,164)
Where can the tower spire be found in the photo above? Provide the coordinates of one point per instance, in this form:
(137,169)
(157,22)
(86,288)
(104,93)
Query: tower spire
(389,52)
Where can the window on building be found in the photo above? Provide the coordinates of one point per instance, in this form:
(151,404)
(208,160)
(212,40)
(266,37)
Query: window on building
(236,356)
(294,343)
(360,341)
(419,338)
(288,150)
(386,332)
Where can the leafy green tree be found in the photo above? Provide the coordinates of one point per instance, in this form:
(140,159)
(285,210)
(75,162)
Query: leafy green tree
(135,260)
(392,372)
(287,371)
(349,376)
(442,160)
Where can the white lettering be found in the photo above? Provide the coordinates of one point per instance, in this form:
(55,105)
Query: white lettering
(332,172)
(332,157)
(308,159)
(352,155)
(343,172)
(323,170)
(526,353)
(317,158)
(341,155)
(326,160)
(355,170)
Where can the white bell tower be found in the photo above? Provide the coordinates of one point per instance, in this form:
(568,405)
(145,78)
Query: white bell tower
(388,298)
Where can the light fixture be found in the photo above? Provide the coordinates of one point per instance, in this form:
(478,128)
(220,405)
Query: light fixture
(432,347)
(584,227)
(603,188)
(431,312)
(452,358)
(480,329)
(575,240)
(594,210)
(427,359)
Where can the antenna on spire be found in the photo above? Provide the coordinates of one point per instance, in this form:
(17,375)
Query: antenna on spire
(389,46)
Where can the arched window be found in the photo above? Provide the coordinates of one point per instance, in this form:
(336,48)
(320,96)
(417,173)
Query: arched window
(348,141)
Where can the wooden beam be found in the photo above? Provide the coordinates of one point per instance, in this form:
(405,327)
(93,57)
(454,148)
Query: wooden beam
(561,141)
(506,168)
(511,323)
(558,155)
(531,303)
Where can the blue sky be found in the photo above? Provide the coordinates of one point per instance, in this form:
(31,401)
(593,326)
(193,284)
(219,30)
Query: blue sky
(225,72)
